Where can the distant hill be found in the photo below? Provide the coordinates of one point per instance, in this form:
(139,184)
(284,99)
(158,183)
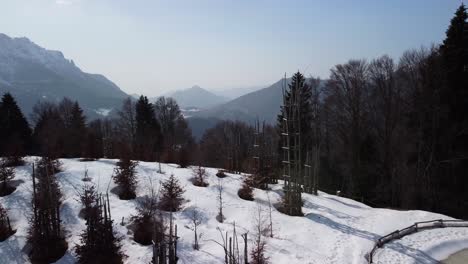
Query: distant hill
(196,97)
(263,104)
(233,93)
(32,73)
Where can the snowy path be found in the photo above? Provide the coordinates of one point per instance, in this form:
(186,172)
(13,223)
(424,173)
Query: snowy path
(334,230)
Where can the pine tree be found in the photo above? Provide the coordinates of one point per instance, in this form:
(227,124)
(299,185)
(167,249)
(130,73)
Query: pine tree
(76,128)
(48,130)
(125,177)
(98,241)
(172,195)
(298,82)
(452,150)
(94,143)
(246,191)
(15,133)
(46,235)
(148,131)
(6,175)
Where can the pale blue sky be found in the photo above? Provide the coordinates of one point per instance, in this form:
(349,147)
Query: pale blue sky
(152,46)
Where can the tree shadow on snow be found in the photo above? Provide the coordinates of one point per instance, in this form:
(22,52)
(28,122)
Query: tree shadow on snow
(333,212)
(348,204)
(342,228)
(10,252)
(419,256)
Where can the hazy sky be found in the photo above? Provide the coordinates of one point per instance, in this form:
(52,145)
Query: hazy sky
(152,46)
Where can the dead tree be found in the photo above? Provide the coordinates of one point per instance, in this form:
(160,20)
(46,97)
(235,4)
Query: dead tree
(45,234)
(292,161)
(262,168)
(146,220)
(165,245)
(195,221)
(86,177)
(230,245)
(270,217)
(220,188)
(260,225)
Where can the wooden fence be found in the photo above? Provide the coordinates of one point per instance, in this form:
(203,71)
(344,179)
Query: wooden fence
(416,227)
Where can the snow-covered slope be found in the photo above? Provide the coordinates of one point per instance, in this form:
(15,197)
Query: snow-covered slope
(334,230)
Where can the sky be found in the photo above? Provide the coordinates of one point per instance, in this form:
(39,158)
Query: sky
(151,47)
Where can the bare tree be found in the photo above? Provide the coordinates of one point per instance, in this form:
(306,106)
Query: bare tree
(220,188)
(257,253)
(270,217)
(230,245)
(195,221)
(127,121)
(146,221)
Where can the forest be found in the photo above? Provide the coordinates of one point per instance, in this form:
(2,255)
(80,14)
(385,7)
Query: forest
(391,133)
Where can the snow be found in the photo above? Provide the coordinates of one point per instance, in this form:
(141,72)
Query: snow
(334,229)
(103,111)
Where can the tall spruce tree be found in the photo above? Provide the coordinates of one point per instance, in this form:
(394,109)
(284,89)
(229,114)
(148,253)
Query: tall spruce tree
(453,143)
(148,130)
(48,130)
(15,133)
(298,82)
(76,131)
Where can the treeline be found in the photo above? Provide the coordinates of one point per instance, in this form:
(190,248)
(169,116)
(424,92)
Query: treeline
(389,133)
(396,133)
(142,131)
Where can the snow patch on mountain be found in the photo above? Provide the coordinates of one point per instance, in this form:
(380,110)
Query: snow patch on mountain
(103,111)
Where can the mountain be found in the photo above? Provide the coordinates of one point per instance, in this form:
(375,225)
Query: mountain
(33,73)
(197,97)
(233,93)
(263,104)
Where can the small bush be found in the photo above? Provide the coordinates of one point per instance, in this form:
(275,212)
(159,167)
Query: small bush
(5,227)
(221,174)
(246,192)
(199,176)
(6,175)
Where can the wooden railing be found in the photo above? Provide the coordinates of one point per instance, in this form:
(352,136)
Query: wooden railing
(416,227)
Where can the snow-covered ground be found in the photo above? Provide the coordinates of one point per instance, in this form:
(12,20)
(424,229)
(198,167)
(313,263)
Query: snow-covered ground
(334,229)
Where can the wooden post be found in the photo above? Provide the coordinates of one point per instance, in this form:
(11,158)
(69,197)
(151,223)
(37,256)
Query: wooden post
(246,257)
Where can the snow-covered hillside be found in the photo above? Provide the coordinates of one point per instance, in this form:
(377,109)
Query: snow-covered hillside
(334,229)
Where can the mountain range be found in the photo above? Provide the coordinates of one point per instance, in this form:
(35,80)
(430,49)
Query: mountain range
(32,73)
(197,97)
